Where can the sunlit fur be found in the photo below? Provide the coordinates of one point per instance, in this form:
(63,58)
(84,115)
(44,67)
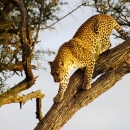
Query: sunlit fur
(91,39)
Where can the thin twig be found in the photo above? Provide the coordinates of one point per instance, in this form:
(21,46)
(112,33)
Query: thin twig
(64,16)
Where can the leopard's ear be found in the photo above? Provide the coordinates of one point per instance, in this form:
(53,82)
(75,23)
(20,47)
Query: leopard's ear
(50,63)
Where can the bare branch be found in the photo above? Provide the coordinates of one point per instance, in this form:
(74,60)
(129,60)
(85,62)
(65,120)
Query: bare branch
(23,22)
(14,67)
(23,85)
(26,50)
(64,16)
(39,109)
(5,99)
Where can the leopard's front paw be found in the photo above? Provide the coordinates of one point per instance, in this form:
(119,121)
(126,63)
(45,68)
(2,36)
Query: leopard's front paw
(86,86)
(58,98)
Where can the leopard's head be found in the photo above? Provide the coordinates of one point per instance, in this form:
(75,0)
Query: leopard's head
(58,70)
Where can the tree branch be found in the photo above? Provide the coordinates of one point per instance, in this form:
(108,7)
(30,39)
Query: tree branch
(75,98)
(6,99)
(64,16)
(23,85)
(39,109)
(26,50)
(14,67)
(113,58)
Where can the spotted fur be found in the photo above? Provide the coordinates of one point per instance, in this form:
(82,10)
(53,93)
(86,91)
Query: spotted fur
(91,39)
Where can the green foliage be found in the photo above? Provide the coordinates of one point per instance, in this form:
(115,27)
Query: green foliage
(41,16)
(39,13)
(50,10)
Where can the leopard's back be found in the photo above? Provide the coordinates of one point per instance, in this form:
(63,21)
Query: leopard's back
(75,50)
(97,29)
(96,24)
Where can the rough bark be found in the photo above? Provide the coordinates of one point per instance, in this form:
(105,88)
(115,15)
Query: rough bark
(7,99)
(26,49)
(114,64)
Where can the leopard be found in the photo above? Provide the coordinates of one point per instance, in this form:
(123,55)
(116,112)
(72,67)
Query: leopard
(91,39)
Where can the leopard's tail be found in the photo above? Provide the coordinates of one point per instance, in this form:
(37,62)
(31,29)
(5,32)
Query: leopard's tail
(123,33)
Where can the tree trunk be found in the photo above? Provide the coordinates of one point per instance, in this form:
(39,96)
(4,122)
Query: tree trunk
(114,64)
